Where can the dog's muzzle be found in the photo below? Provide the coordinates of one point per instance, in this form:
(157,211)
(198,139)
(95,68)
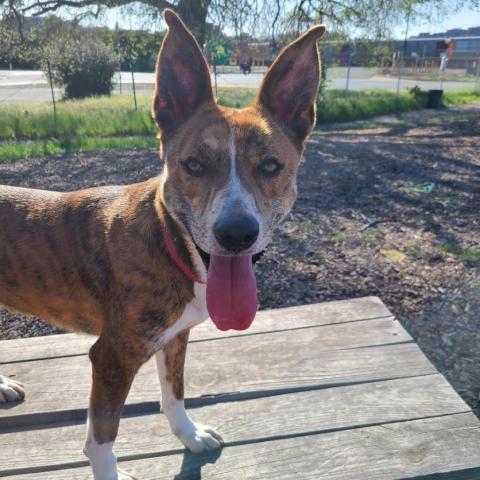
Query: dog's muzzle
(236,232)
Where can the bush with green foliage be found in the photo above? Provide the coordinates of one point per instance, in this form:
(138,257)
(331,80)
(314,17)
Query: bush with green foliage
(418,94)
(81,63)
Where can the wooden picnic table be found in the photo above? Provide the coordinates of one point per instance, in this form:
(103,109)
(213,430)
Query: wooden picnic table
(336,390)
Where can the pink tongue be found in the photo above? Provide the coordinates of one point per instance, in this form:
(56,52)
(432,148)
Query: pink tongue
(231,292)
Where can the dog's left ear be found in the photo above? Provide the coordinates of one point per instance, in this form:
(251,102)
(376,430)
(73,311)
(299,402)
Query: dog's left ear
(289,89)
(182,76)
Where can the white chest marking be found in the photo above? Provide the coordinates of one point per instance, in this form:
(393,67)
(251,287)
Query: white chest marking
(195,312)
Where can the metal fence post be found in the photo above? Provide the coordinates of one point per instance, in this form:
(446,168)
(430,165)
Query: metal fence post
(443,68)
(133,84)
(120,76)
(477,81)
(215,75)
(348,72)
(399,72)
(51,89)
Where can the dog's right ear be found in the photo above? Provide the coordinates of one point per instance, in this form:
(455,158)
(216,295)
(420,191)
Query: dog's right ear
(182,76)
(290,86)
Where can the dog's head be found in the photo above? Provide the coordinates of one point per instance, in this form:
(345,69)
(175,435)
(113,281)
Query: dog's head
(230,174)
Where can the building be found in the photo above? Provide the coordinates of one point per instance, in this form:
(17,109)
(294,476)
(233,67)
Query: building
(464,52)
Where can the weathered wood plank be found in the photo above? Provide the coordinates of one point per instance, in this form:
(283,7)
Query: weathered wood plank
(269,320)
(282,415)
(444,447)
(237,366)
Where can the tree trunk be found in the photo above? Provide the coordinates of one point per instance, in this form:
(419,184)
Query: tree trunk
(194,14)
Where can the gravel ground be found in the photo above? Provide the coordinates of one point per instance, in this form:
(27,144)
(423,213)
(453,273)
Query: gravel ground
(387,208)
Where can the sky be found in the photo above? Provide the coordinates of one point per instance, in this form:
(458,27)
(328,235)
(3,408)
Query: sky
(464,19)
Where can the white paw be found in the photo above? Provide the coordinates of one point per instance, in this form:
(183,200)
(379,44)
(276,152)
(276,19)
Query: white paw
(10,390)
(198,438)
(122,475)
(118,475)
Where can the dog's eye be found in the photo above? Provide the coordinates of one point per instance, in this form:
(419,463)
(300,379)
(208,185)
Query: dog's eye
(194,167)
(270,167)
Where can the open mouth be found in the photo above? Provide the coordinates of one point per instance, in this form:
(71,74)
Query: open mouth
(231,289)
(206,256)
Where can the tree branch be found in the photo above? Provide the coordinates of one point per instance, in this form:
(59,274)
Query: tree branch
(44,6)
(274,23)
(18,18)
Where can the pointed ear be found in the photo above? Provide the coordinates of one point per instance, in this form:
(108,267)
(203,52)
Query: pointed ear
(182,76)
(289,89)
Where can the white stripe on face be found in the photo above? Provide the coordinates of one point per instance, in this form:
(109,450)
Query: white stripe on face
(235,196)
(236,192)
(234,180)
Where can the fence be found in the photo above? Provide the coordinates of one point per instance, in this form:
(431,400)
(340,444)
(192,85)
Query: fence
(344,72)
(396,72)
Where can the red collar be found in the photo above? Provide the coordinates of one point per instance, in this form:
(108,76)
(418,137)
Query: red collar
(170,244)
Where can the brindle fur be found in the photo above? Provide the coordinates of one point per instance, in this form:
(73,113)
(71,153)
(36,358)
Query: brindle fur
(95,261)
(175,353)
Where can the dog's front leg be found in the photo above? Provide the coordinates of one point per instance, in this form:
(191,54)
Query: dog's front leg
(170,363)
(113,369)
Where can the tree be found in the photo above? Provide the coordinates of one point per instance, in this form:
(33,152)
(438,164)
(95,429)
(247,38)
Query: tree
(193,12)
(371,18)
(134,45)
(374,17)
(18,48)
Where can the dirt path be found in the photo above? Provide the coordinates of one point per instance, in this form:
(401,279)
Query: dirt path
(389,208)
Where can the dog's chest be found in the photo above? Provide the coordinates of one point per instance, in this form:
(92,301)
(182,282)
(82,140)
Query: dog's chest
(195,312)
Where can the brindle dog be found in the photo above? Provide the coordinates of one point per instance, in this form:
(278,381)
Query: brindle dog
(98,260)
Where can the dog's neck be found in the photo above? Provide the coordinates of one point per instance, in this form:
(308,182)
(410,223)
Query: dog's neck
(179,243)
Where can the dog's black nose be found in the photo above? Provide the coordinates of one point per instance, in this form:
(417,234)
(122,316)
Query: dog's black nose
(236,232)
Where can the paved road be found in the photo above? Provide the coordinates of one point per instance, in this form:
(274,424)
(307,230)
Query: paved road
(31,86)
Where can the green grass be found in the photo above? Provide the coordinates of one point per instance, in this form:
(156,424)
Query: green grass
(101,117)
(341,105)
(437,76)
(10,151)
(112,122)
(372,236)
(339,237)
(471,255)
(236,97)
(460,97)
(466,254)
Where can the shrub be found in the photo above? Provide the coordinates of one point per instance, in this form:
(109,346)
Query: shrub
(82,64)
(418,94)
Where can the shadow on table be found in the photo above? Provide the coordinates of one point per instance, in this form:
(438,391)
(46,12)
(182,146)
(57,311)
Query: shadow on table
(464,474)
(192,464)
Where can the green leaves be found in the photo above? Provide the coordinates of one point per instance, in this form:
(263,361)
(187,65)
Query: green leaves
(81,63)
